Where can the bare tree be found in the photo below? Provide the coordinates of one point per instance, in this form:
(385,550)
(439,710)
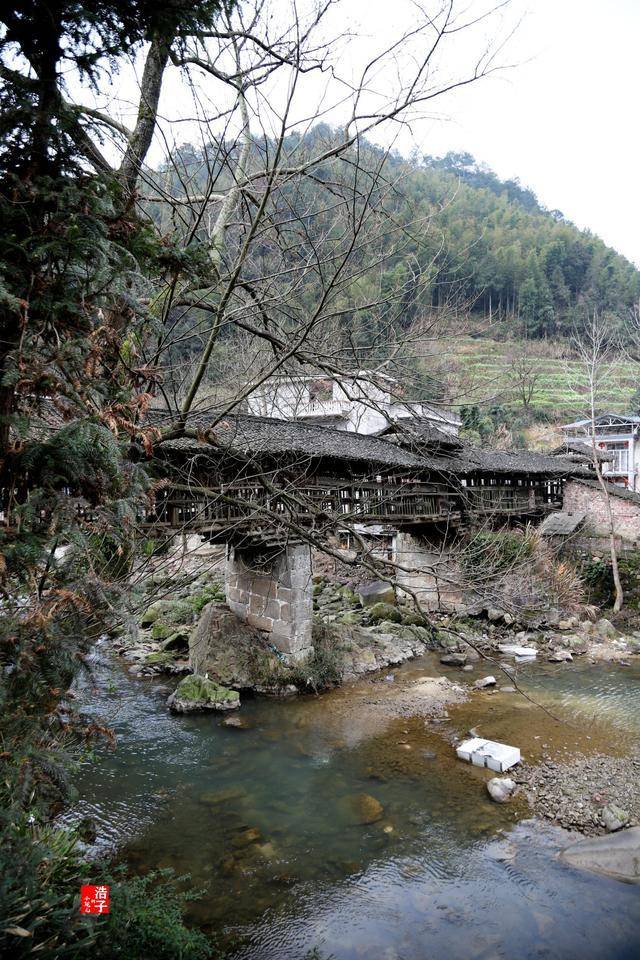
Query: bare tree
(597,348)
(285,265)
(278,230)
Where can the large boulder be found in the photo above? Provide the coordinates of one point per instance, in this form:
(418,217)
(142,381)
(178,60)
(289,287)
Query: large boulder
(376,592)
(453,659)
(225,647)
(615,855)
(560,656)
(196,693)
(359,650)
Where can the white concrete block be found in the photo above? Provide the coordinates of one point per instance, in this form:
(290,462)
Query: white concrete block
(465,749)
(516,651)
(489,753)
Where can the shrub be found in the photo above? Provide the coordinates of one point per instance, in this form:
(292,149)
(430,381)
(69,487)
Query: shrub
(146,920)
(41,873)
(491,552)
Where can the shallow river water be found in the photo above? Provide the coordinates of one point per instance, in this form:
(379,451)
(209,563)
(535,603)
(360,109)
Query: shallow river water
(266,818)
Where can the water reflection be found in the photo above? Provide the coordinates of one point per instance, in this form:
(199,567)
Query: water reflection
(272,819)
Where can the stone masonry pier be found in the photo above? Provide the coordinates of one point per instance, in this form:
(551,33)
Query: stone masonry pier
(272,591)
(430,573)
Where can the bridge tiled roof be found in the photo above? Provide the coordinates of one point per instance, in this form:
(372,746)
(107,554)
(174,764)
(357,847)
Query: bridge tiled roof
(256,436)
(470,460)
(260,436)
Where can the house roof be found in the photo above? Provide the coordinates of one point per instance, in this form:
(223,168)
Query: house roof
(441,450)
(612,490)
(417,431)
(560,524)
(605,419)
(256,436)
(470,460)
(580,452)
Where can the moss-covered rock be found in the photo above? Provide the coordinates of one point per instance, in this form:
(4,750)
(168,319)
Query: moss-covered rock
(413,619)
(350,617)
(211,592)
(195,693)
(347,595)
(384,611)
(177,640)
(169,611)
(160,630)
(377,591)
(162,656)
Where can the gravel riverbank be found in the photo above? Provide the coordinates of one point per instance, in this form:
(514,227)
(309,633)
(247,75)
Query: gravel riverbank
(579,794)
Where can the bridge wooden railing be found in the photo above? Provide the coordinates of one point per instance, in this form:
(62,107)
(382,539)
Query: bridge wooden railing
(199,508)
(508,499)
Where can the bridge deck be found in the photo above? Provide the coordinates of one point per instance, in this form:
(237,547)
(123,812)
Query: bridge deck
(243,505)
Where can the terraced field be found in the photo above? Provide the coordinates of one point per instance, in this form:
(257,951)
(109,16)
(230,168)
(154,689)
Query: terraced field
(481,370)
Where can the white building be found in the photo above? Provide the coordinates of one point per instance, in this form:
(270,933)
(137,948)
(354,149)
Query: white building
(364,402)
(618,435)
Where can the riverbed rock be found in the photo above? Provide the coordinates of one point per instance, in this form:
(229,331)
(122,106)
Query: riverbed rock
(169,611)
(177,639)
(501,789)
(605,629)
(560,656)
(350,617)
(246,837)
(454,659)
(484,682)
(237,723)
(413,619)
(614,818)
(616,855)
(494,614)
(366,809)
(380,612)
(196,693)
(376,592)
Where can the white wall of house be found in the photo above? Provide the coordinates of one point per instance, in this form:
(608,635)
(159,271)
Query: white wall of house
(351,404)
(621,440)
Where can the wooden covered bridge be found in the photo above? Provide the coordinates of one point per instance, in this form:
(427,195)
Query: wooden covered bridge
(263,485)
(256,477)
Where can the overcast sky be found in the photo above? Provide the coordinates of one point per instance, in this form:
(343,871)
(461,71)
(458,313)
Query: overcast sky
(565,119)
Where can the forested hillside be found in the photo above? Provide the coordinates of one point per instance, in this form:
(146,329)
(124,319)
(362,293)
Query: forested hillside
(510,256)
(471,243)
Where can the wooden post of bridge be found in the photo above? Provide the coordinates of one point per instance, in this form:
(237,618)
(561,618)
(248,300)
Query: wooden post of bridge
(272,590)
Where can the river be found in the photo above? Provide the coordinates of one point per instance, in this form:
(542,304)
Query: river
(266,818)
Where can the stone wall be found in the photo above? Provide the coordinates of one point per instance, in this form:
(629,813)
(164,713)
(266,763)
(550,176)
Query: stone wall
(430,574)
(583,498)
(273,592)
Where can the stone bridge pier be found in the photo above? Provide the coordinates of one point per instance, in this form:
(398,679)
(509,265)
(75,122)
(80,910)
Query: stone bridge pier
(430,572)
(272,590)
